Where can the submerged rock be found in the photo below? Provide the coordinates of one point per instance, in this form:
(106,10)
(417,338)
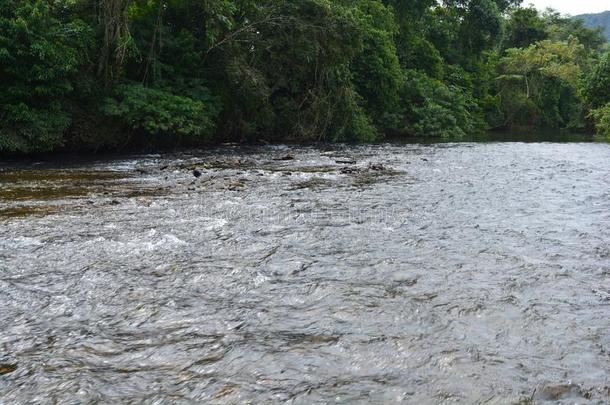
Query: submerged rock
(312,183)
(236,185)
(285,157)
(556,392)
(350,170)
(143,170)
(7,368)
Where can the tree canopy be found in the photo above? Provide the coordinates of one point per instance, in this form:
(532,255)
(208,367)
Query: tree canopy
(80,74)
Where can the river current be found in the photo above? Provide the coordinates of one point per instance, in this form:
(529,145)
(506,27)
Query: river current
(447,273)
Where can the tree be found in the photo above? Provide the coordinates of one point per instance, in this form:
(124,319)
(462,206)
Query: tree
(601,117)
(525,27)
(539,84)
(481,27)
(376,68)
(113,21)
(95,74)
(40,57)
(597,84)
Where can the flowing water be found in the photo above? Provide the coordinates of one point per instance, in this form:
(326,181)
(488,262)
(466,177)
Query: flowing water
(468,272)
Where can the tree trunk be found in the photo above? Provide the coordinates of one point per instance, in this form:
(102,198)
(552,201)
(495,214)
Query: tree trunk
(113,18)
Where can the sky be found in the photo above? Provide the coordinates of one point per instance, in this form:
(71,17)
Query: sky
(572,7)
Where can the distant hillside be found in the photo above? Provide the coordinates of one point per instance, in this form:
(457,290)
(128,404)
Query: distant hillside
(597,20)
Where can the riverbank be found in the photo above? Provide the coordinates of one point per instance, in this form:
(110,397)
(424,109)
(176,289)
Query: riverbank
(84,155)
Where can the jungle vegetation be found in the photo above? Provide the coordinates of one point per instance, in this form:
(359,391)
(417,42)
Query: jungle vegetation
(109,74)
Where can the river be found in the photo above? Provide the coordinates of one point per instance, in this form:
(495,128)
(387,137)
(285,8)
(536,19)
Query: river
(442,273)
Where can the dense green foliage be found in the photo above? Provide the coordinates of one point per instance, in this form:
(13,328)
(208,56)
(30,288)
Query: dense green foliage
(596,89)
(40,57)
(597,84)
(539,84)
(158,111)
(602,119)
(83,74)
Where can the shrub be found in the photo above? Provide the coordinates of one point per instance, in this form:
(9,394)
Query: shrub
(601,117)
(160,112)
